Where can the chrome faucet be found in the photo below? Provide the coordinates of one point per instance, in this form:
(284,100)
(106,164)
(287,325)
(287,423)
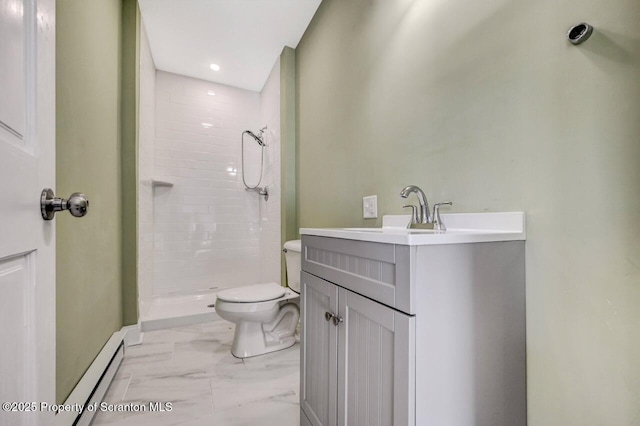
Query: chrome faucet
(424,216)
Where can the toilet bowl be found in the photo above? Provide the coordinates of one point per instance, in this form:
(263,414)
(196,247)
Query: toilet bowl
(266,315)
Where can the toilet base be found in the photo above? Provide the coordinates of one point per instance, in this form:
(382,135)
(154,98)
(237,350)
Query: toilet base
(253,338)
(242,352)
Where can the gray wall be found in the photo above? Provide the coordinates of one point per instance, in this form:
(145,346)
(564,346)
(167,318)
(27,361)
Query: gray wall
(486,104)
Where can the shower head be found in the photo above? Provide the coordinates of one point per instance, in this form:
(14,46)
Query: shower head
(257,138)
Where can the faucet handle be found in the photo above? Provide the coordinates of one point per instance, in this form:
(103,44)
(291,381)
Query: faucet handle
(414,214)
(437,220)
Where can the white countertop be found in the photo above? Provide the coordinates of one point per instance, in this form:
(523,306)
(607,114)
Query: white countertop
(462,228)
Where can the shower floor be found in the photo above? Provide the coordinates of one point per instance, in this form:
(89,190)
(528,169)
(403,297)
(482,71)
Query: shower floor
(178,310)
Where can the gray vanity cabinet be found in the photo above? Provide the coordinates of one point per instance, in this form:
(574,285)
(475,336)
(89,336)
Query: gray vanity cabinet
(318,351)
(355,366)
(375,369)
(406,335)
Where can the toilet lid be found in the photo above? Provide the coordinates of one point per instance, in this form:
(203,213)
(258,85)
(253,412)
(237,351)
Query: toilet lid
(252,293)
(293,245)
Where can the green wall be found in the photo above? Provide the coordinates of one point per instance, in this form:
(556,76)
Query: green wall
(288,152)
(89,146)
(486,104)
(129,155)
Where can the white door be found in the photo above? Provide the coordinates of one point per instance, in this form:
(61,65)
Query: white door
(27,242)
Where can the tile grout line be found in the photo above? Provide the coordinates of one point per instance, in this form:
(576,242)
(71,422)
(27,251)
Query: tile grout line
(213,408)
(126,389)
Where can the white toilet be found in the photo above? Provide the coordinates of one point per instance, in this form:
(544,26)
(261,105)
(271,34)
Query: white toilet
(266,315)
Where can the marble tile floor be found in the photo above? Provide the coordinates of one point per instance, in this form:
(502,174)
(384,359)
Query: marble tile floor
(192,367)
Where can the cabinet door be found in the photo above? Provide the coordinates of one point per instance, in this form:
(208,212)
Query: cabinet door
(318,350)
(376,364)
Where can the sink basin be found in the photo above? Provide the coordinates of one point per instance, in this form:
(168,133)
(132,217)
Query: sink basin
(393,230)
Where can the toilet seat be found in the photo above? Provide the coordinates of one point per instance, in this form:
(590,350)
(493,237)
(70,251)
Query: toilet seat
(252,293)
(239,307)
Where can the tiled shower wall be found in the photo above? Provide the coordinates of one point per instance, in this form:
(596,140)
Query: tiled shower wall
(270,244)
(208,231)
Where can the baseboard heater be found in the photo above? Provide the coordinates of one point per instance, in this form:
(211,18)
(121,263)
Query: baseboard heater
(95,382)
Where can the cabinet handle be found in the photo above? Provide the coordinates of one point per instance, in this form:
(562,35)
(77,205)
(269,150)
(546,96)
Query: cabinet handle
(328,316)
(337,320)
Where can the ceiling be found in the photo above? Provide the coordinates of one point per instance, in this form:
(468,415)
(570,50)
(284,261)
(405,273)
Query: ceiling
(244,37)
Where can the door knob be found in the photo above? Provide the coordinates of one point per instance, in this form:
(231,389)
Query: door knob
(77,204)
(328,316)
(337,320)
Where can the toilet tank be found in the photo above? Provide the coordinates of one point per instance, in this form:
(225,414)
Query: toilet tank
(293,260)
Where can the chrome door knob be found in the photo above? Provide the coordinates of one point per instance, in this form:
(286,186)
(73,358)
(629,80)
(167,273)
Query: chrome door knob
(77,204)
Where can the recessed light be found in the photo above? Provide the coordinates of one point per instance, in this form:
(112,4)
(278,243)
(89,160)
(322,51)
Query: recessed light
(211,93)
(215,67)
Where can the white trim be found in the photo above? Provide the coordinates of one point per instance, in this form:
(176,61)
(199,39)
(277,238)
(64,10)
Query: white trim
(91,380)
(133,335)
(170,322)
(86,417)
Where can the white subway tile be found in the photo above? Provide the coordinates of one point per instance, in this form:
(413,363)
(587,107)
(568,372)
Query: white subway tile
(207,229)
